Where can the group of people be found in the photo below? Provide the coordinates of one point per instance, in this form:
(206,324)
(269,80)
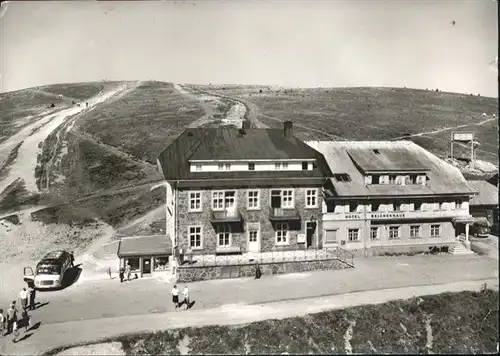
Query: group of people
(175,297)
(11,322)
(127,271)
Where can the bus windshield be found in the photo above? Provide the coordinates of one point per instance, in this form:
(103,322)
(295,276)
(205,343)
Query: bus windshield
(48,269)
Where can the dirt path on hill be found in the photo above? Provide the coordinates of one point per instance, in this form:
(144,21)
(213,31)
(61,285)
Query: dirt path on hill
(446,129)
(51,336)
(26,161)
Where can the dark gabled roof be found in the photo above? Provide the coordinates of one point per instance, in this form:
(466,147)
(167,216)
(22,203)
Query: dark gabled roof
(487,193)
(398,158)
(444,179)
(153,245)
(227,143)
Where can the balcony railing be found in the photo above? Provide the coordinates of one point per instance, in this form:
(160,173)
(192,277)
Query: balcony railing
(281,214)
(221,216)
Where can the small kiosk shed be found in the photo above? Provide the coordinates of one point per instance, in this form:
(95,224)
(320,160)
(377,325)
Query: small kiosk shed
(147,255)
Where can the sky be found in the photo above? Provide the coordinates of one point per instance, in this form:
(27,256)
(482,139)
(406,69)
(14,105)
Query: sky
(446,44)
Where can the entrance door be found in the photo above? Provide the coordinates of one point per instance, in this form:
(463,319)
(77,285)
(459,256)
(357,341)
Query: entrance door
(310,231)
(146,265)
(253,237)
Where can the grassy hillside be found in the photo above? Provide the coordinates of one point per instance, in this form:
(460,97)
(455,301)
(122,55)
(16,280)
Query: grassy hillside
(448,323)
(374,113)
(144,121)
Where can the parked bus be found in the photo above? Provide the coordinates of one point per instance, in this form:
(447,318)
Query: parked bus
(49,272)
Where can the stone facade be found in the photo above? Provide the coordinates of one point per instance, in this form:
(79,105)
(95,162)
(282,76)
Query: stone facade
(239,236)
(186,274)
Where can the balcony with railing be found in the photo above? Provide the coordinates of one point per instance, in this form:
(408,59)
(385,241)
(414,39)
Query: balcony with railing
(282,214)
(225,216)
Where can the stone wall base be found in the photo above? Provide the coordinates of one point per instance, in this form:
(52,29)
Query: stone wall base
(186,274)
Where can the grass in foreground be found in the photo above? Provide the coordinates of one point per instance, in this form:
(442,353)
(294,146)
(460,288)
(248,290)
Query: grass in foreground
(464,322)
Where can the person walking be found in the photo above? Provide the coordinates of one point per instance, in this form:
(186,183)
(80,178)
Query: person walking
(3,322)
(121,273)
(185,292)
(23,296)
(175,296)
(32,296)
(11,318)
(25,320)
(128,270)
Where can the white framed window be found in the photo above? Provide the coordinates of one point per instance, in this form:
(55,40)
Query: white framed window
(218,200)
(195,201)
(331,236)
(312,198)
(282,198)
(394,232)
(223,199)
(223,235)
(305,166)
(251,166)
(374,233)
(195,238)
(397,205)
(435,230)
(415,231)
(417,205)
(198,167)
(353,234)
(282,234)
(220,166)
(281,165)
(253,201)
(227,166)
(253,235)
(458,204)
(287,198)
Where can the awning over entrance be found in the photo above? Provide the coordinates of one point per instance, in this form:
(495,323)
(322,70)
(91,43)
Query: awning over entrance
(463,219)
(154,245)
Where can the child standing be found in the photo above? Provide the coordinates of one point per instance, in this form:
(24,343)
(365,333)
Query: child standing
(185,292)
(175,296)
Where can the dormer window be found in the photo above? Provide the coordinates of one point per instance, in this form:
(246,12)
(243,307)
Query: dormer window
(198,167)
(224,166)
(304,166)
(280,165)
(344,177)
(251,166)
(375,179)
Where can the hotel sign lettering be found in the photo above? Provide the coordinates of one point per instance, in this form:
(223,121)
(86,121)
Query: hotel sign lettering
(388,215)
(353,216)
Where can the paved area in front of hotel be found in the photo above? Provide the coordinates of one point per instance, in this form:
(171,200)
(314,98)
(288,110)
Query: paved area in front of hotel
(110,298)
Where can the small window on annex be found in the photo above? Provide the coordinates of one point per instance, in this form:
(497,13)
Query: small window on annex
(160,263)
(134,263)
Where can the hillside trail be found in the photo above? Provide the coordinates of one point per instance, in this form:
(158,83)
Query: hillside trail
(254,113)
(55,335)
(34,135)
(446,129)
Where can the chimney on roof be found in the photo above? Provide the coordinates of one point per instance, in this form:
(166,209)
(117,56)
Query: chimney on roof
(288,129)
(245,125)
